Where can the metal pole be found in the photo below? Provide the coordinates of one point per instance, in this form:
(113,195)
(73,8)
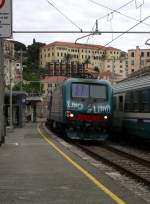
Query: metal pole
(2,132)
(21,68)
(113,70)
(11,105)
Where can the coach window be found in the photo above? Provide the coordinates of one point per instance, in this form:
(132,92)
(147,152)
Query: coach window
(146,101)
(135,101)
(128,102)
(114,102)
(120,108)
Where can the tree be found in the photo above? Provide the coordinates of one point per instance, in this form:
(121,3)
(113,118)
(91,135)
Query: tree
(87,62)
(32,86)
(32,61)
(19,46)
(32,70)
(96,69)
(67,60)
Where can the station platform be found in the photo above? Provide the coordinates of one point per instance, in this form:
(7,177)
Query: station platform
(37,169)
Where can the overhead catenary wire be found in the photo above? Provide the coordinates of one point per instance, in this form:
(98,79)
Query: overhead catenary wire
(116,11)
(127,31)
(138,6)
(65,16)
(124,5)
(76,32)
(111,13)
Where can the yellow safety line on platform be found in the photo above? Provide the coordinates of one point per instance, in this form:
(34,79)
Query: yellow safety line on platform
(81,169)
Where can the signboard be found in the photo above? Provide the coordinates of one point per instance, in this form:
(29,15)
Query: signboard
(5,18)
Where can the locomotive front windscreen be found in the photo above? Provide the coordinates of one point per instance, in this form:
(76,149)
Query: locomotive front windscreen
(80,90)
(98,91)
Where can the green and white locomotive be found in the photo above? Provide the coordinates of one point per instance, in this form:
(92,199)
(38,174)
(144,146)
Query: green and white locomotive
(82,108)
(132,107)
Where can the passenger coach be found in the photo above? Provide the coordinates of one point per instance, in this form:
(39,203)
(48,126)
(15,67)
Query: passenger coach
(82,108)
(132,107)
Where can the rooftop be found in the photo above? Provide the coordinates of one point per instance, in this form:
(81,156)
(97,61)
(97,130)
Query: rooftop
(79,45)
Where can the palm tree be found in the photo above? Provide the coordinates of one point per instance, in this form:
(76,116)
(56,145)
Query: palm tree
(67,59)
(87,62)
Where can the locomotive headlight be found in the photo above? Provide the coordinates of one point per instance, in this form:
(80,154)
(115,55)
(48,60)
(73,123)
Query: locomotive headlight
(105,117)
(71,115)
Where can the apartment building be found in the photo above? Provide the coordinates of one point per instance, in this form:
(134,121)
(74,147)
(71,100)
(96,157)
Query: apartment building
(50,83)
(12,67)
(97,56)
(9,64)
(138,59)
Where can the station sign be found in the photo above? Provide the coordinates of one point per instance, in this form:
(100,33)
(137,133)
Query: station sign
(5,18)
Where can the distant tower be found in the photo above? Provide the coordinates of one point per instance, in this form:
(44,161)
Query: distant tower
(34,41)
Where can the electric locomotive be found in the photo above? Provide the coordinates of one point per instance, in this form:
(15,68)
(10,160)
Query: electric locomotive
(131,113)
(82,108)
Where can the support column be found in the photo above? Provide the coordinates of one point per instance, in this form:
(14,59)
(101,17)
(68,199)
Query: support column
(2,126)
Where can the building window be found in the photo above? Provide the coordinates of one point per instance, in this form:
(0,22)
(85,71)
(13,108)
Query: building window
(142,54)
(132,62)
(142,62)
(132,54)
(148,54)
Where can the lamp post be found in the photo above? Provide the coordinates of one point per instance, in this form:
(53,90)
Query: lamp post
(2,134)
(10,100)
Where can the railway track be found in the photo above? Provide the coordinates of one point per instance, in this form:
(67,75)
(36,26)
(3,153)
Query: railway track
(130,164)
(133,163)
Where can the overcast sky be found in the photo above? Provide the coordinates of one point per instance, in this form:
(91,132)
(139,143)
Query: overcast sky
(40,15)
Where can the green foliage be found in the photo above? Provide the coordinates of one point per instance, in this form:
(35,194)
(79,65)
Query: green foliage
(31,70)
(32,61)
(87,61)
(67,58)
(19,46)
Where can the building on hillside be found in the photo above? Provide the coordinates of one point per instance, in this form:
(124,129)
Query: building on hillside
(49,84)
(9,64)
(61,69)
(12,67)
(117,68)
(138,59)
(110,76)
(95,56)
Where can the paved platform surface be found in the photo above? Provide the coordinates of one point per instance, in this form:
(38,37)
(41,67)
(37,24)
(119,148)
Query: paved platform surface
(33,172)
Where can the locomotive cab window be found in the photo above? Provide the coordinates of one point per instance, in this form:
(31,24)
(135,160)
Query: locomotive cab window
(89,91)
(80,90)
(98,91)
